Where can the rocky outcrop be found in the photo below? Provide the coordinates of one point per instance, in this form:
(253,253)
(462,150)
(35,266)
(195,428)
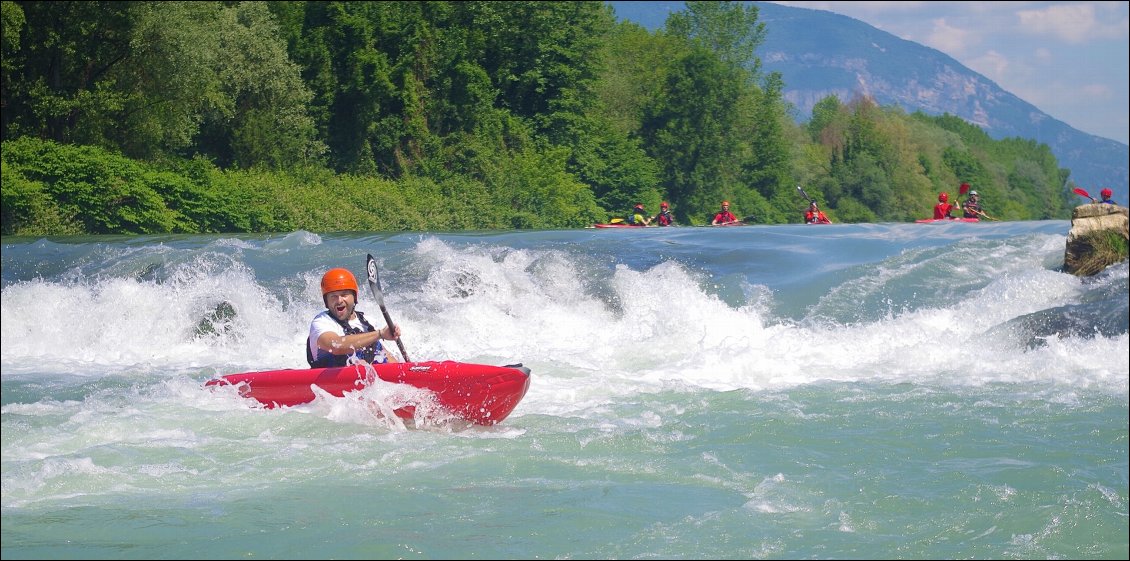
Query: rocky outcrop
(1099,236)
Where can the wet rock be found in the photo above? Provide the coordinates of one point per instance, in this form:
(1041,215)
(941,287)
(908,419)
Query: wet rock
(218,321)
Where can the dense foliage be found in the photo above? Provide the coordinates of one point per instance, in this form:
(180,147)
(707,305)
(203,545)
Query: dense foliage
(151,117)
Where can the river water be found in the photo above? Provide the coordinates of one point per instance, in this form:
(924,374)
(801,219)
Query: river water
(862,391)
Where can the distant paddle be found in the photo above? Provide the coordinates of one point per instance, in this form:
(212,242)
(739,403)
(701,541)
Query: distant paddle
(982,213)
(375,287)
(1082,193)
(803,194)
(733,222)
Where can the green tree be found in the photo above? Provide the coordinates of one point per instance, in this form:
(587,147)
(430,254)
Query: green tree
(730,30)
(58,65)
(259,117)
(689,129)
(769,167)
(154,78)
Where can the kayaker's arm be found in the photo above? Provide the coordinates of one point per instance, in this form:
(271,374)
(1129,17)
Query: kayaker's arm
(348,344)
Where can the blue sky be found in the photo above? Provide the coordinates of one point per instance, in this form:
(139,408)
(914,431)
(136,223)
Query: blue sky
(1070,59)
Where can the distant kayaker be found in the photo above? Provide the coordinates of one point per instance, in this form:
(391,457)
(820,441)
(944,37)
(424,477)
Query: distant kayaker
(814,215)
(1107,194)
(664,217)
(943,209)
(724,216)
(639,216)
(971,208)
(340,330)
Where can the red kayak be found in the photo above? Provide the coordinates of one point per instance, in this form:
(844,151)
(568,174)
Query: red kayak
(619,225)
(933,220)
(478,393)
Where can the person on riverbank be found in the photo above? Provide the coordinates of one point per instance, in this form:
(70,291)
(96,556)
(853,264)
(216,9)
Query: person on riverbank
(1106,194)
(341,331)
(724,216)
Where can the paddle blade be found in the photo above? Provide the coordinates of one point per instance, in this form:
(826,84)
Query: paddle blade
(964,188)
(374,280)
(1083,193)
(378,294)
(803,194)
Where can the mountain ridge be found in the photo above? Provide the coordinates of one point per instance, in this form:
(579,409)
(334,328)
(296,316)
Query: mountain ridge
(820,53)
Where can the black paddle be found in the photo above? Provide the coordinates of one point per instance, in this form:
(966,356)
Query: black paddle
(982,213)
(375,287)
(803,194)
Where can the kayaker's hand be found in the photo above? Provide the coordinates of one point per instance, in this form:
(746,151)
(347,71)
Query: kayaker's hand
(389,334)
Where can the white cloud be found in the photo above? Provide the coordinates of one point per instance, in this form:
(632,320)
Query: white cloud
(993,65)
(1098,92)
(949,39)
(1074,23)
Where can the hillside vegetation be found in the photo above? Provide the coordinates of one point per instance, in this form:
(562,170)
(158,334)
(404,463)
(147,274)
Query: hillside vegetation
(201,117)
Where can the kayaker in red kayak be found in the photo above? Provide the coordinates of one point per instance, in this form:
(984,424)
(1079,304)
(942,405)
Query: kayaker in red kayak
(814,215)
(341,330)
(664,217)
(638,217)
(971,208)
(943,209)
(724,217)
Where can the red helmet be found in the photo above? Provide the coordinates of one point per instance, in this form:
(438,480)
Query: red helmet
(1107,193)
(338,279)
(943,196)
(639,206)
(663,204)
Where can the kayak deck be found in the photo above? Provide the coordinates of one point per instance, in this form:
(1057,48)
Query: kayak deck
(933,220)
(478,393)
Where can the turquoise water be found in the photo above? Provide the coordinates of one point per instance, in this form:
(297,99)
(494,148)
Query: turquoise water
(844,391)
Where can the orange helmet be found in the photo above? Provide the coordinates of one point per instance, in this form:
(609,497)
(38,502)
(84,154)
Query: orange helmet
(1107,193)
(943,196)
(338,279)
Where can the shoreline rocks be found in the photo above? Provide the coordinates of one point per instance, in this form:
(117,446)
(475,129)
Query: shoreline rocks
(1099,236)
